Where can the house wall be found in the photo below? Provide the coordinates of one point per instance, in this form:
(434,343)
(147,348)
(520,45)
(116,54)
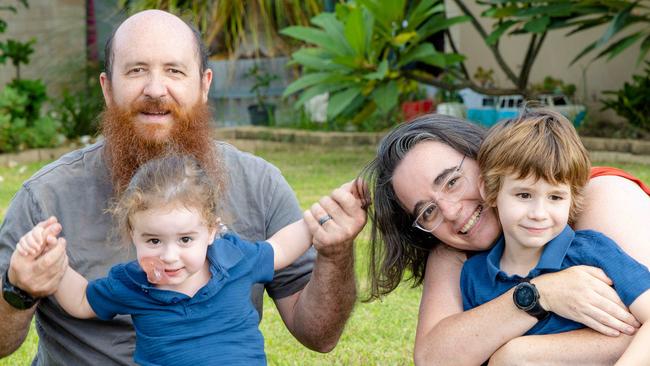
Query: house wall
(59,27)
(591,79)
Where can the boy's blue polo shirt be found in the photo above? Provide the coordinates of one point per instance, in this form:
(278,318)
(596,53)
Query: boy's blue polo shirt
(482,280)
(217,326)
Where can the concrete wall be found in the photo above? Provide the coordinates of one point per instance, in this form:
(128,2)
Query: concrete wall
(554,58)
(59,27)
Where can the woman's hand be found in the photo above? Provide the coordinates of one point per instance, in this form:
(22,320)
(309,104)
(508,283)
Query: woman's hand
(584,294)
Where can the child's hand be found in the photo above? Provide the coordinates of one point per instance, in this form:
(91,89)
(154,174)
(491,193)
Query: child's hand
(34,242)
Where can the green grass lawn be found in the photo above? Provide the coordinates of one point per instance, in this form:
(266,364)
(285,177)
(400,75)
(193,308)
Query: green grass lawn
(378,333)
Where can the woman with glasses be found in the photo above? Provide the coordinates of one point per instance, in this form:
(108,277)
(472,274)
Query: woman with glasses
(427,218)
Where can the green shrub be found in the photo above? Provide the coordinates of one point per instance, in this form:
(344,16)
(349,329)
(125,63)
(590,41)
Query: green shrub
(78,113)
(78,108)
(35,92)
(22,127)
(632,102)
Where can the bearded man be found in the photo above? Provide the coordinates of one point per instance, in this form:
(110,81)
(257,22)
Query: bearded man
(156,86)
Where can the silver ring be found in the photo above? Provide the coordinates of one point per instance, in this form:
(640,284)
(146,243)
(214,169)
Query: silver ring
(324,219)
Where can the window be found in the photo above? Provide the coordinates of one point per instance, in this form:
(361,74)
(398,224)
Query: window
(559,100)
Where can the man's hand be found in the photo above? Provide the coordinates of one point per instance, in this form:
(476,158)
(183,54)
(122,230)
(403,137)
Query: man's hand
(316,315)
(39,261)
(336,220)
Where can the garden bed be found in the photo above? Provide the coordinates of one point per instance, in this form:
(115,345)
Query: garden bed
(251,139)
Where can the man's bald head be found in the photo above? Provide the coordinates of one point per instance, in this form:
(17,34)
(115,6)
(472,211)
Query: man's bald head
(149,20)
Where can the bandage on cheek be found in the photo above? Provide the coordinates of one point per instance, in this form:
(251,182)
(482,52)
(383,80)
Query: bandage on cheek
(155,270)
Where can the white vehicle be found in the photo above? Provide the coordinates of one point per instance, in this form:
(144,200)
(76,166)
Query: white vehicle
(488,110)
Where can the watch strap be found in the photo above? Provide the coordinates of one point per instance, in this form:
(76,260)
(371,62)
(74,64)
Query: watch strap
(15,296)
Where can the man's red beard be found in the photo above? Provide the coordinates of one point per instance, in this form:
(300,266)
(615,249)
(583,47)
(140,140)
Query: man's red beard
(130,144)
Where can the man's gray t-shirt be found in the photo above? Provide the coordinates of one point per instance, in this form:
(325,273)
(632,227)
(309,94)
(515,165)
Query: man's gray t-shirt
(77,190)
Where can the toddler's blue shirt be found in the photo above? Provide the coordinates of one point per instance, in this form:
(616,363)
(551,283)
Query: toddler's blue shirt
(217,326)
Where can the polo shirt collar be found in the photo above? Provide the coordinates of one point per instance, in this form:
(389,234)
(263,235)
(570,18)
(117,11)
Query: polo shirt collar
(494,258)
(552,256)
(223,253)
(555,250)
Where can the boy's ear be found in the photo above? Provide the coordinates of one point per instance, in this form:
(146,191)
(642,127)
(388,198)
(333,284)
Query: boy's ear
(481,187)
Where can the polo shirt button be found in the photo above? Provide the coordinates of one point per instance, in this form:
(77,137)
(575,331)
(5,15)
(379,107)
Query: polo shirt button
(175,300)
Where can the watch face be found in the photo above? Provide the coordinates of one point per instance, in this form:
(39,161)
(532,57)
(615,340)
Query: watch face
(16,301)
(524,296)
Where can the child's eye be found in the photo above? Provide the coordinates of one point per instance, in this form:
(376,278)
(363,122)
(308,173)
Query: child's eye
(153,241)
(524,196)
(186,240)
(556,197)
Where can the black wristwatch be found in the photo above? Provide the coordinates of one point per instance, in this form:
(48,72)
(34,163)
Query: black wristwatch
(14,296)
(526,298)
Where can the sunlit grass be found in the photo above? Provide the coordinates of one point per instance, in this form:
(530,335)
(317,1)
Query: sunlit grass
(378,333)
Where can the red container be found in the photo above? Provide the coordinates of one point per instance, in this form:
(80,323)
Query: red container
(416,108)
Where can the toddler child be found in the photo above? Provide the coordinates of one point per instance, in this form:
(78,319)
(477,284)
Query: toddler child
(533,170)
(188,293)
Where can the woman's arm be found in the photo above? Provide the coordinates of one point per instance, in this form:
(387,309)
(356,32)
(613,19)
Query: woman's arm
(637,353)
(618,208)
(582,347)
(447,335)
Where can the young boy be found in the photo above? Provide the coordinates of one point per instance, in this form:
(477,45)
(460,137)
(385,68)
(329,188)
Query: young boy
(533,171)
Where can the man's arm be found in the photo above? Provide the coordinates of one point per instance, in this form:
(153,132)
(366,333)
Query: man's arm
(38,277)
(316,315)
(17,321)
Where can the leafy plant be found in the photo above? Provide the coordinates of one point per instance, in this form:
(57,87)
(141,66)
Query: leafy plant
(17,131)
(632,101)
(236,26)
(35,92)
(359,54)
(17,52)
(485,77)
(537,18)
(78,109)
(21,123)
(551,85)
(411,90)
(261,82)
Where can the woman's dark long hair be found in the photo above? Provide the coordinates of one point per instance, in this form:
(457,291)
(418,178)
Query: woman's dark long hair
(395,245)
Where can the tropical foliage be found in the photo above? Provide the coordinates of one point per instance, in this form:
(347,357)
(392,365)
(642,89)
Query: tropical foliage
(628,22)
(22,125)
(239,28)
(359,53)
(632,101)
(365,51)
